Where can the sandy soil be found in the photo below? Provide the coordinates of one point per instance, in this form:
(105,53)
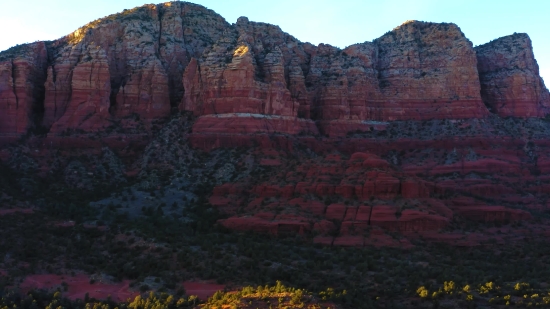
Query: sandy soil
(79,285)
(201,289)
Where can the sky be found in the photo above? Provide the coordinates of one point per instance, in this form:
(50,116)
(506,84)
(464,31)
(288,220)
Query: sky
(339,23)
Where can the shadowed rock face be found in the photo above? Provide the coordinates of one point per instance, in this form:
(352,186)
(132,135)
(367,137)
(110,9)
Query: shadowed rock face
(22,77)
(510,80)
(152,59)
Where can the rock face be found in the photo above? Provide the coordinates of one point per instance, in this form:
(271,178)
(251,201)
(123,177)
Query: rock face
(418,71)
(244,73)
(22,77)
(88,106)
(150,60)
(428,71)
(510,80)
(158,43)
(125,64)
(236,85)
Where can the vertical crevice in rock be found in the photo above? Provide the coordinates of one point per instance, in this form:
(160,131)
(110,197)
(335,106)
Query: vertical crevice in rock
(486,102)
(40,95)
(370,213)
(116,101)
(54,73)
(13,84)
(54,77)
(51,74)
(160,13)
(121,102)
(112,97)
(172,48)
(382,83)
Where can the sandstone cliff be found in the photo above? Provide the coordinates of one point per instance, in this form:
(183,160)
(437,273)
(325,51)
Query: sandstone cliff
(22,77)
(244,75)
(510,80)
(417,71)
(428,71)
(88,104)
(123,64)
(252,77)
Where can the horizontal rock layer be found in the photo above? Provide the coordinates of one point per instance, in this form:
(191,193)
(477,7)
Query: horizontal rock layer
(242,123)
(365,193)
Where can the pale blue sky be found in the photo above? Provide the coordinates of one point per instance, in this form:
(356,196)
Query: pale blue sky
(339,23)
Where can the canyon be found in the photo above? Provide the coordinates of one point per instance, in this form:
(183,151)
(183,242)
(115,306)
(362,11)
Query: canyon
(411,134)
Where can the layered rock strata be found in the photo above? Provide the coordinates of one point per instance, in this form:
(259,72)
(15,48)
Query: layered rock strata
(243,76)
(509,74)
(22,77)
(428,71)
(417,71)
(342,200)
(151,60)
(87,107)
(125,64)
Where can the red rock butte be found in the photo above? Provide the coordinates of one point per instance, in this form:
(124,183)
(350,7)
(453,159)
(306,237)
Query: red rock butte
(154,59)
(405,134)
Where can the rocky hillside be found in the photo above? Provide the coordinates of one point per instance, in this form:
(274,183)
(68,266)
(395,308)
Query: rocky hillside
(405,133)
(163,148)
